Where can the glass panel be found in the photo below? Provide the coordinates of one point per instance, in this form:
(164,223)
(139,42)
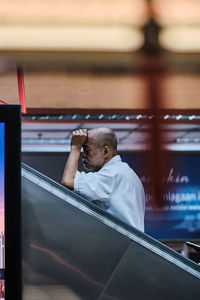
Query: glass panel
(67,252)
(143,275)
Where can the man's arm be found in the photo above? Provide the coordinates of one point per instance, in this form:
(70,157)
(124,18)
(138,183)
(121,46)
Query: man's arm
(79,137)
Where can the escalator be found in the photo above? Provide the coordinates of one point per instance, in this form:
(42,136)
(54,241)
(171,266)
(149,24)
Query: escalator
(73,250)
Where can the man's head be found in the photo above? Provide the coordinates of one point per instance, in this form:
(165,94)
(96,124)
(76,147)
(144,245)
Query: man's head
(100,147)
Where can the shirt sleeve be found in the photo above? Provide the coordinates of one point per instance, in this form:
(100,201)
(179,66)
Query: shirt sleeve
(96,186)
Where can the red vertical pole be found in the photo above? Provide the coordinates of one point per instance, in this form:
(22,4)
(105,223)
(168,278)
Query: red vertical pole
(22,98)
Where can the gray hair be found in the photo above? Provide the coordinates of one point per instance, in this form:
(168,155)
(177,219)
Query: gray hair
(103,136)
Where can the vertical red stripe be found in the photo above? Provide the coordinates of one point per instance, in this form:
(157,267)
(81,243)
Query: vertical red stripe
(22,98)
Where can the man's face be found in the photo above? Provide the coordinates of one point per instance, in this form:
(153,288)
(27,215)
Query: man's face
(93,157)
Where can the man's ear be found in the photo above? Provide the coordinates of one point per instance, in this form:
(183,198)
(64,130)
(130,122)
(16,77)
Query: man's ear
(106,151)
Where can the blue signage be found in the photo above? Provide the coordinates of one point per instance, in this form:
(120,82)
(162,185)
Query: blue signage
(179,217)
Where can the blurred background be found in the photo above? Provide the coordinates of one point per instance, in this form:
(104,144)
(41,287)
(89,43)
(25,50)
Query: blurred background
(132,65)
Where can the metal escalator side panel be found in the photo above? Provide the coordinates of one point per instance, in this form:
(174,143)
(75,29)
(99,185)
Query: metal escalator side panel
(64,245)
(141,274)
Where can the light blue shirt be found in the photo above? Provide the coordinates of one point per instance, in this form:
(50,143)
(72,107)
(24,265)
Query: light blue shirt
(115,188)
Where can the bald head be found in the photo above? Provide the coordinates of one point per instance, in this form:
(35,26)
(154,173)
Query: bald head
(103,136)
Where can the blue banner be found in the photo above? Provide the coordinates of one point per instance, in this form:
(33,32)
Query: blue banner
(179,218)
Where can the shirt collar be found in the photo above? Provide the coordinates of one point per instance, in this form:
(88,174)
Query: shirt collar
(113,160)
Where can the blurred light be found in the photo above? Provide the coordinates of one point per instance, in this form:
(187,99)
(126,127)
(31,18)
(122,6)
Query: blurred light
(182,147)
(72,25)
(93,117)
(184,118)
(188,140)
(180,38)
(111,117)
(73,38)
(182,140)
(46,12)
(174,12)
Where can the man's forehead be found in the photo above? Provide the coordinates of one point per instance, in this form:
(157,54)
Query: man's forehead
(90,139)
(89,142)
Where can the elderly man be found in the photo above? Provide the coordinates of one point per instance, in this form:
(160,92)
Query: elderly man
(110,183)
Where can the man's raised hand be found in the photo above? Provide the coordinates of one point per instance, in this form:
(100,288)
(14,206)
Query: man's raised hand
(79,138)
